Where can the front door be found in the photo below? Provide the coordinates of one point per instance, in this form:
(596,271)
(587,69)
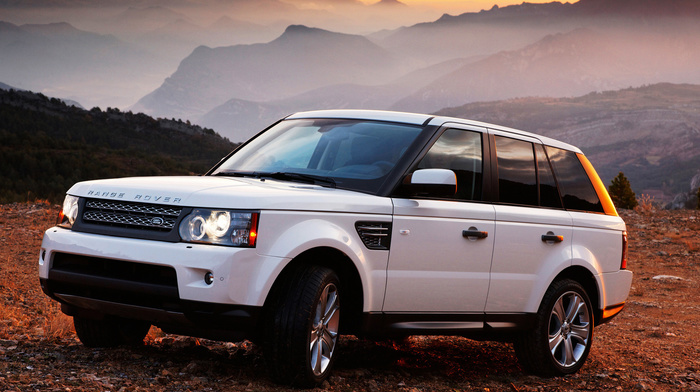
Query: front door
(441,248)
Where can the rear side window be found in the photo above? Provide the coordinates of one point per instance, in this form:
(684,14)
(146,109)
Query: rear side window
(517,173)
(576,189)
(549,195)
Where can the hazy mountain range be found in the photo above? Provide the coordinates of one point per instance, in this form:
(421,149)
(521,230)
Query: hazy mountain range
(554,49)
(237,66)
(651,133)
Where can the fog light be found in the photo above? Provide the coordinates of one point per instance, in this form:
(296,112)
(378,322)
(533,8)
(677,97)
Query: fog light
(209,278)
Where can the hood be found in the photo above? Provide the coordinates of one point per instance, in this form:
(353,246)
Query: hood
(232,193)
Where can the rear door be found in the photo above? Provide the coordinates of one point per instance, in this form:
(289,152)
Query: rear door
(533,231)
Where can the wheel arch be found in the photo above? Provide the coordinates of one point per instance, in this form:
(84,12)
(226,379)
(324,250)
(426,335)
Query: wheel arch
(352,295)
(586,279)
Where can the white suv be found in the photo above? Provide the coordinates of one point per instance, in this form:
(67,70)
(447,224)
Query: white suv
(376,224)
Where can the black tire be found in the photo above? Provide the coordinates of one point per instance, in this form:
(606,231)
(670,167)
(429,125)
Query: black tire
(301,327)
(564,321)
(110,332)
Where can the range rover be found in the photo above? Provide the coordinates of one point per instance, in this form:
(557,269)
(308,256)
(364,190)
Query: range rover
(369,223)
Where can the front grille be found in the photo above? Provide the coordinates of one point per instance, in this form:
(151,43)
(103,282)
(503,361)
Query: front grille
(375,235)
(131,215)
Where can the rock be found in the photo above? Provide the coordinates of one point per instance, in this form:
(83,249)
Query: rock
(667,277)
(7,343)
(642,386)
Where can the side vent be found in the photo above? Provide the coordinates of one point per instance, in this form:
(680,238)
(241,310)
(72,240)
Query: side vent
(375,235)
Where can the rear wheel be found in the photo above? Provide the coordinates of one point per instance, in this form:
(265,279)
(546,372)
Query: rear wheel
(301,331)
(561,340)
(110,332)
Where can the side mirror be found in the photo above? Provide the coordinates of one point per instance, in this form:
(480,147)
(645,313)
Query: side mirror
(433,183)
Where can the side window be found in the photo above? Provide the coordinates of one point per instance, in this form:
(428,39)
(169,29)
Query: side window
(549,195)
(461,152)
(576,189)
(517,173)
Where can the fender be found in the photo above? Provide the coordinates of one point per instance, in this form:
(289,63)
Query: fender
(287,234)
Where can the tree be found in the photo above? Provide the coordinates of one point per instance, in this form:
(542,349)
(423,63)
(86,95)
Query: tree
(621,192)
(699,198)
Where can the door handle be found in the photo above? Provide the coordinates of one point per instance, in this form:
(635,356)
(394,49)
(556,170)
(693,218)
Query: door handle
(551,237)
(473,232)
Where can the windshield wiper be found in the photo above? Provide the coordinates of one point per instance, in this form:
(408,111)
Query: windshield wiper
(285,176)
(307,178)
(232,173)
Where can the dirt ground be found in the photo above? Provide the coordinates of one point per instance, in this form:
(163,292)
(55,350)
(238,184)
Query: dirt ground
(652,345)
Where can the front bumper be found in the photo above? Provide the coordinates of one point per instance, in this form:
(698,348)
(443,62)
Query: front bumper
(163,283)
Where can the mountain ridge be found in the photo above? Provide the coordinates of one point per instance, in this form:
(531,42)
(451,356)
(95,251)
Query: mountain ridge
(651,133)
(299,60)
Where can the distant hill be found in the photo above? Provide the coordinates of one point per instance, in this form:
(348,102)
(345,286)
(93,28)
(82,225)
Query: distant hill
(46,146)
(512,27)
(571,64)
(651,133)
(300,60)
(61,60)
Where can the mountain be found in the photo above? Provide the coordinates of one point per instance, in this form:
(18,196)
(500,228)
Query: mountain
(240,119)
(570,64)
(60,60)
(512,27)
(4,86)
(300,60)
(549,49)
(650,133)
(46,146)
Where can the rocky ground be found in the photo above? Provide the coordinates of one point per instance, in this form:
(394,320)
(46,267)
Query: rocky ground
(652,345)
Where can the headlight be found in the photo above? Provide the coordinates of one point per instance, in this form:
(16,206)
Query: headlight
(69,212)
(221,227)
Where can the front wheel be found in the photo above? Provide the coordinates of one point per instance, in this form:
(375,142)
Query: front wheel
(561,339)
(301,331)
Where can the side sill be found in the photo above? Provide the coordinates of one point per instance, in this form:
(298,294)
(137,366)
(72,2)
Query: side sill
(473,325)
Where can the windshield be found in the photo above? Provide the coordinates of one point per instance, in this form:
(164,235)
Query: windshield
(351,154)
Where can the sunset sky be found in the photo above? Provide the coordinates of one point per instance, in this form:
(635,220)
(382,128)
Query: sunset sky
(460,6)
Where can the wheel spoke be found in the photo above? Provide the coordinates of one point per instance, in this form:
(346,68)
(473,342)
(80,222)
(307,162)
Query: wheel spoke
(555,341)
(575,305)
(568,355)
(332,305)
(328,342)
(580,332)
(317,356)
(558,311)
(322,304)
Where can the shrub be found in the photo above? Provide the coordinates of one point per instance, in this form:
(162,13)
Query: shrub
(645,204)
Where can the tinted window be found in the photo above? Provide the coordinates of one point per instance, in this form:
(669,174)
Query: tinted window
(461,152)
(517,173)
(549,195)
(575,186)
